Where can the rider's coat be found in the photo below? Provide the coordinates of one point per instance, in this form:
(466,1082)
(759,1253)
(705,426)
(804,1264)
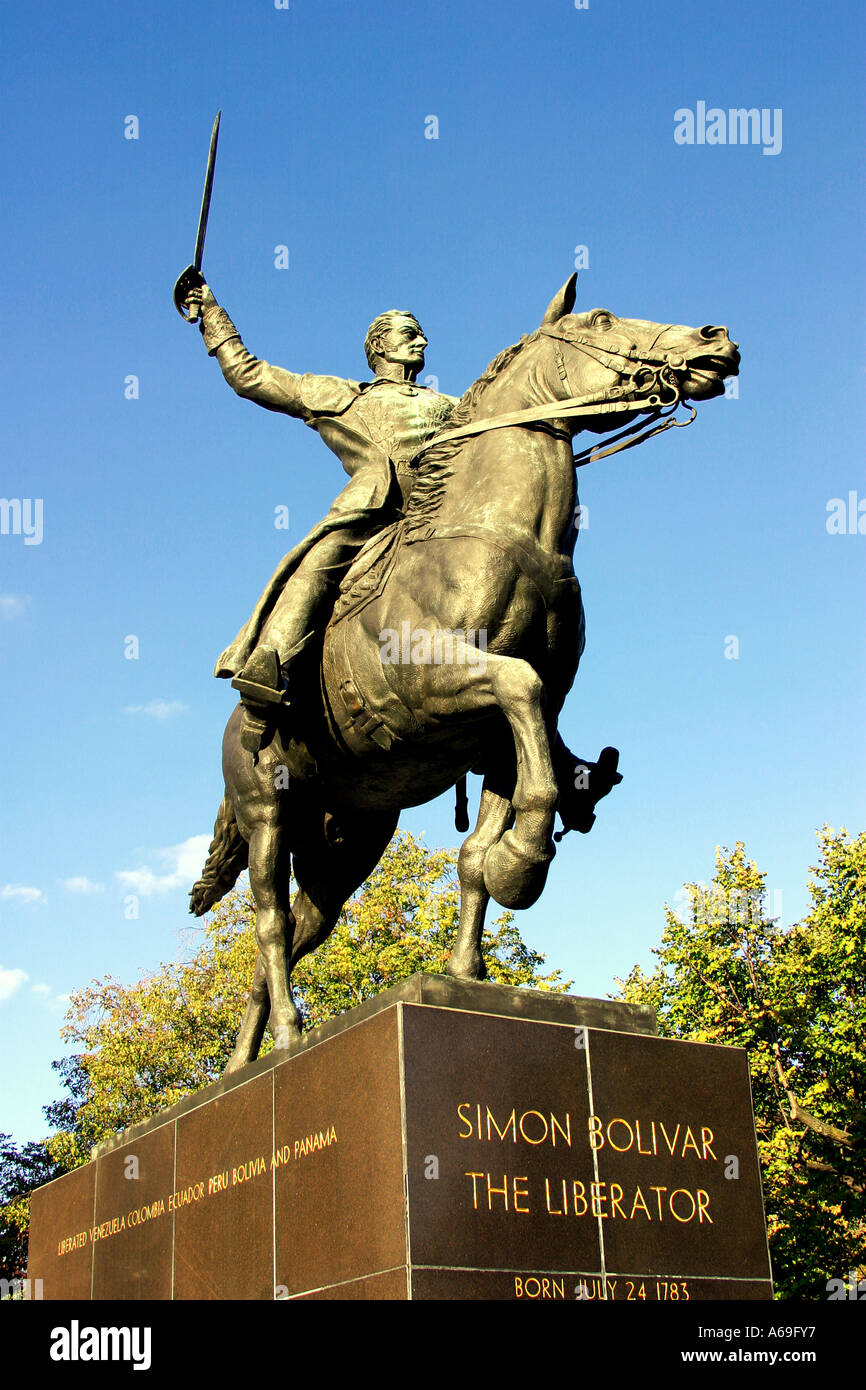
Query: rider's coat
(375,428)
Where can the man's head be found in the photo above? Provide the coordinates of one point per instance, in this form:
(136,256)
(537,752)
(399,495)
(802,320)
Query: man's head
(394,345)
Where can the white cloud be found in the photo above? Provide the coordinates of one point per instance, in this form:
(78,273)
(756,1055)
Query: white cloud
(20,890)
(158,709)
(180,866)
(10,980)
(13,605)
(82,885)
(57,1003)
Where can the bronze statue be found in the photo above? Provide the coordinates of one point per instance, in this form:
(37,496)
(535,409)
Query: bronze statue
(376,429)
(455,635)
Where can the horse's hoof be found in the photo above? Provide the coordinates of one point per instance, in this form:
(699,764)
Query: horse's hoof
(236,1063)
(286,1031)
(469,966)
(514,878)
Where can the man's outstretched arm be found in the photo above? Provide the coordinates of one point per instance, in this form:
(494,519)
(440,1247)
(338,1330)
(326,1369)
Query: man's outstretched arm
(256,380)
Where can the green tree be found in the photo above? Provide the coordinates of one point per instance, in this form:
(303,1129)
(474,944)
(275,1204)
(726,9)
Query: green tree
(143,1047)
(795,999)
(22,1167)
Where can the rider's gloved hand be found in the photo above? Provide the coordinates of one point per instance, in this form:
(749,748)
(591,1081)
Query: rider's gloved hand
(214,323)
(200,298)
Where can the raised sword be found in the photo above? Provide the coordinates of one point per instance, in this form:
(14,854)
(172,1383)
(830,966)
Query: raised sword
(191,278)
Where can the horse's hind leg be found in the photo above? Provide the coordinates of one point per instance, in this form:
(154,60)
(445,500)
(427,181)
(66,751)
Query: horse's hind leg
(495,814)
(333,855)
(331,860)
(269,880)
(254,1021)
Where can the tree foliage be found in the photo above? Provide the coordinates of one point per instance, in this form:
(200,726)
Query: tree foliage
(141,1048)
(795,999)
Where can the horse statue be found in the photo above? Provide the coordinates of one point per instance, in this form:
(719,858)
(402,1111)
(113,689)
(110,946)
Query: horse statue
(452,647)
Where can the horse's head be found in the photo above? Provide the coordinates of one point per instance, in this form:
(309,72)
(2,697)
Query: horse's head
(598,352)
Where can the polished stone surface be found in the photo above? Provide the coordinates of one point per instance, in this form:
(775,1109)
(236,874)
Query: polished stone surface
(424,988)
(428,1152)
(131,1182)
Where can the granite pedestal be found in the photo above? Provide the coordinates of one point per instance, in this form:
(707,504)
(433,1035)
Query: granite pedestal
(444,1141)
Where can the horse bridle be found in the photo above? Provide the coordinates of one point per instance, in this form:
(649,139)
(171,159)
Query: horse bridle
(659,396)
(662,368)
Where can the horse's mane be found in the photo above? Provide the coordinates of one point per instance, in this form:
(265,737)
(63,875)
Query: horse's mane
(434,466)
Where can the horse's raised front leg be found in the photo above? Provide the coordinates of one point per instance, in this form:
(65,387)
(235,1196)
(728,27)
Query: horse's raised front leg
(516,868)
(494,817)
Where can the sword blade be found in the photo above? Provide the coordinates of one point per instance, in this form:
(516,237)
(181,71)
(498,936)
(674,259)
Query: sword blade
(205,197)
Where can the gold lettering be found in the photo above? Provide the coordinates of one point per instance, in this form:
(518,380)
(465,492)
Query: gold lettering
(558,1288)
(578,1196)
(478,1112)
(519,1192)
(529,1292)
(474,1177)
(703,1207)
(630,1136)
(658,1191)
(638,1199)
(674,1211)
(500,1192)
(690,1141)
(523,1131)
(596,1137)
(671,1146)
(518,1286)
(555,1125)
(598,1198)
(616,1199)
(510,1123)
(464,1119)
(706,1140)
(637,1132)
(554,1211)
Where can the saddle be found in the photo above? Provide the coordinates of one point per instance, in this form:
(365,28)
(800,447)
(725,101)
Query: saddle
(366,576)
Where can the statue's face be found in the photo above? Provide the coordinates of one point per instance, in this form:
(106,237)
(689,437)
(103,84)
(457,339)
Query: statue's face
(403,344)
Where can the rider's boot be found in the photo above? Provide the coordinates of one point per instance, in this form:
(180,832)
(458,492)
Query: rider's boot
(582,785)
(263,686)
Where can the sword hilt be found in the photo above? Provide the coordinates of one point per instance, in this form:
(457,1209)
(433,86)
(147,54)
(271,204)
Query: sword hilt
(189,279)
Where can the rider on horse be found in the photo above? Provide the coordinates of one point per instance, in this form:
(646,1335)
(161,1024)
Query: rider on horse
(376,429)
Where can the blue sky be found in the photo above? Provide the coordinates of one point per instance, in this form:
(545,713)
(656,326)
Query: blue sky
(555,130)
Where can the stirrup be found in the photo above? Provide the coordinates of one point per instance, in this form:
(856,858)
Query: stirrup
(261,681)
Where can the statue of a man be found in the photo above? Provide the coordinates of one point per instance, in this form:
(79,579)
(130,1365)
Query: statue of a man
(376,428)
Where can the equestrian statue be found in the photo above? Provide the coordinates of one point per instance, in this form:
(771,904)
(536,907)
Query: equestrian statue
(430,625)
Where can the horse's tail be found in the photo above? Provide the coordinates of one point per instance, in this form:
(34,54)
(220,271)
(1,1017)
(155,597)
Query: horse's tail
(227,857)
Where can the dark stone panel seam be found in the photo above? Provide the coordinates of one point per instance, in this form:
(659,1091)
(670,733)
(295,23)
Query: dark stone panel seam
(341,1283)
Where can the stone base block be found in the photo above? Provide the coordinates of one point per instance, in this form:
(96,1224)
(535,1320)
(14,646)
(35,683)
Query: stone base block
(444,1141)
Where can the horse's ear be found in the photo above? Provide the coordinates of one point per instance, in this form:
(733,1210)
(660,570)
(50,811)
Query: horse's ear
(563,301)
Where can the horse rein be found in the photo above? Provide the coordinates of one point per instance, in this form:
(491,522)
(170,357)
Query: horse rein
(602,402)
